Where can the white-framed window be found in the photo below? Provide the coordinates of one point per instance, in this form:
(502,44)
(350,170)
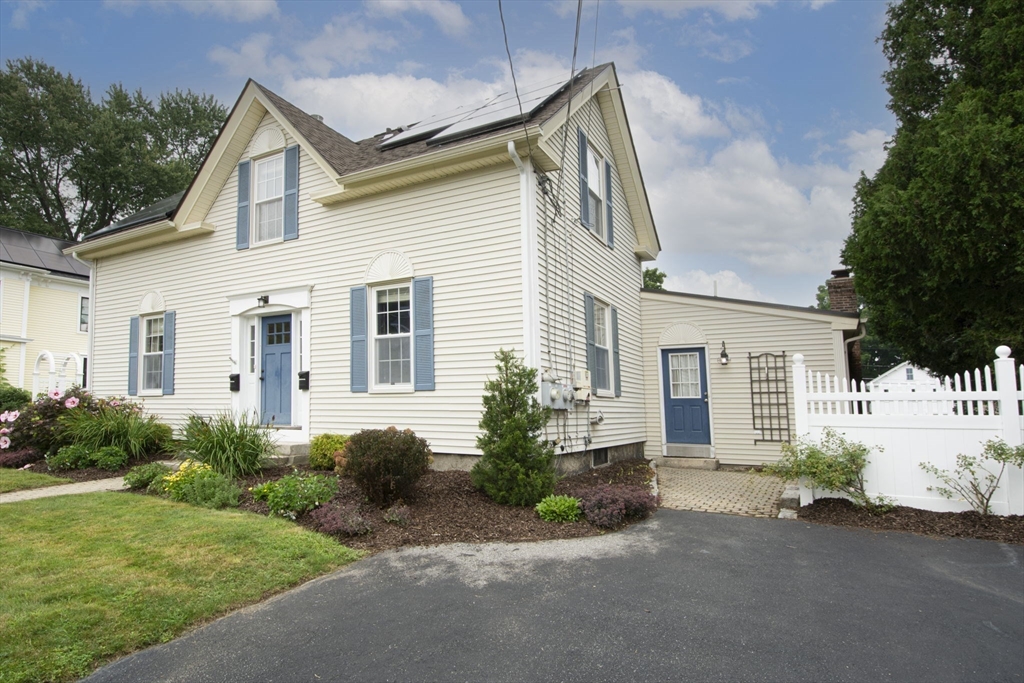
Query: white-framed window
(252,348)
(391,327)
(268,204)
(595,183)
(152,366)
(602,341)
(910,373)
(684,375)
(83,314)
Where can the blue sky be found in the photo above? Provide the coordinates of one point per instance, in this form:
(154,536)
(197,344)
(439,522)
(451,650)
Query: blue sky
(752,119)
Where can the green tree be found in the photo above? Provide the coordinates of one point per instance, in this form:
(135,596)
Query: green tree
(69,165)
(653,278)
(517,467)
(937,243)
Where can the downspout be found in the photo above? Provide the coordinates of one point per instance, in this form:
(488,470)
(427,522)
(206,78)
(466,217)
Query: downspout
(863,331)
(528,247)
(90,362)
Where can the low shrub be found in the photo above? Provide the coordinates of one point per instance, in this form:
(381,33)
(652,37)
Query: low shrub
(141,476)
(171,483)
(233,447)
(322,449)
(20,457)
(385,463)
(73,457)
(971,480)
(398,515)
(295,494)
(13,398)
(343,520)
(121,426)
(198,484)
(110,458)
(559,509)
(608,506)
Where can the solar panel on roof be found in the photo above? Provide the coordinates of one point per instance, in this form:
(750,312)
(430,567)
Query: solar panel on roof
(434,124)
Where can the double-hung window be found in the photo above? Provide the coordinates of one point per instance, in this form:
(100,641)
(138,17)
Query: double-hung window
(392,331)
(83,314)
(595,197)
(268,175)
(152,353)
(602,339)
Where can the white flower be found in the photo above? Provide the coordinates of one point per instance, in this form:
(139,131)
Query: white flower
(3,416)
(14,415)
(4,442)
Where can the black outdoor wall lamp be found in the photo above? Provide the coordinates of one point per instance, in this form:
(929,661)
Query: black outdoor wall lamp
(262,301)
(724,356)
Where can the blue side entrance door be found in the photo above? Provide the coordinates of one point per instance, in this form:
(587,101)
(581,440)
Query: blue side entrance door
(276,370)
(685,381)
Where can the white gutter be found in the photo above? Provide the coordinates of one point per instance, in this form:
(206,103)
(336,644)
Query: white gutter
(91,265)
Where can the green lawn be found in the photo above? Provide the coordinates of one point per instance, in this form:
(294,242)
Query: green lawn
(18,480)
(87,578)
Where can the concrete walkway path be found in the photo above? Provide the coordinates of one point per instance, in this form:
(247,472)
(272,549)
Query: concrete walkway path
(112,484)
(732,493)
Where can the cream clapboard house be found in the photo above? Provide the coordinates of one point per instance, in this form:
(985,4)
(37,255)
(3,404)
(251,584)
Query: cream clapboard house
(328,285)
(44,311)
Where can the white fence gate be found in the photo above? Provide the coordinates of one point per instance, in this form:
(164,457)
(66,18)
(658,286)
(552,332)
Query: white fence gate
(906,428)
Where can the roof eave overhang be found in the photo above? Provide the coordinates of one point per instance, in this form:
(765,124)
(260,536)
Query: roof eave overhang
(44,273)
(838,321)
(139,237)
(458,158)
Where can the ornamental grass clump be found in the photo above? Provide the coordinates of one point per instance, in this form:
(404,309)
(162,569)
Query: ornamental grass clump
(559,509)
(233,447)
(296,494)
(121,425)
(967,481)
(835,464)
(322,449)
(385,463)
(517,467)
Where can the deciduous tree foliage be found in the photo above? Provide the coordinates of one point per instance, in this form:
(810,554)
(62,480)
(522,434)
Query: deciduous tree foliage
(654,279)
(69,165)
(938,233)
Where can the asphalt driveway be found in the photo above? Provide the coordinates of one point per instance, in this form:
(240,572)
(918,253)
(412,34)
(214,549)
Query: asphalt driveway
(684,596)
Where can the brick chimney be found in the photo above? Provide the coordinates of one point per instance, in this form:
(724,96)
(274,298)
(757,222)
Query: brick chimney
(843,297)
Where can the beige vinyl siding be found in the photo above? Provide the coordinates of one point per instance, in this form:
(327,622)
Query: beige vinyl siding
(745,330)
(464,231)
(586,264)
(12,301)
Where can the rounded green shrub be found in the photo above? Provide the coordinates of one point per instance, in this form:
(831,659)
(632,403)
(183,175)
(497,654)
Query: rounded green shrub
(295,494)
(559,509)
(13,398)
(322,449)
(198,484)
(73,457)
(110,458)
(142,476)
(386,463)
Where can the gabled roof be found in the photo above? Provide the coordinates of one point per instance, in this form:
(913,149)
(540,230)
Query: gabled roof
(29,249)
(363,168)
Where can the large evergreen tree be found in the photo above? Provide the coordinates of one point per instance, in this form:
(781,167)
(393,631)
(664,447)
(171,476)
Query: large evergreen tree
(938,233)
(69,165)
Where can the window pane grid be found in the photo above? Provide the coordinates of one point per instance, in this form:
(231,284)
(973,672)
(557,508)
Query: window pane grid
(394,343)
(684,372)
(269,199)
(152,354)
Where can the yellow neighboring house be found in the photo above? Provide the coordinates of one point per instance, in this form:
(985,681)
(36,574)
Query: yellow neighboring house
(44,308)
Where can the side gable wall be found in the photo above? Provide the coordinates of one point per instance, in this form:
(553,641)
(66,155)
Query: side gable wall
(464,231)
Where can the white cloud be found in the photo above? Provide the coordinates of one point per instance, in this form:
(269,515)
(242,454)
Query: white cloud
(625,51)
(717,46)
(818,4)
(253,59)
(231,10)
(343,41)
(446,14)
(22,10)
(672,9)
(728,283)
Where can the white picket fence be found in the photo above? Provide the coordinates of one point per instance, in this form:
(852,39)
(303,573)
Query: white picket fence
(906,428)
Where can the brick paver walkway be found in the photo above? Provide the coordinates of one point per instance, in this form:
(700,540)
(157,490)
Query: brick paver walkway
(733,493)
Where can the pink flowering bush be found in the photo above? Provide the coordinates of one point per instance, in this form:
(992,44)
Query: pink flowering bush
(39,425)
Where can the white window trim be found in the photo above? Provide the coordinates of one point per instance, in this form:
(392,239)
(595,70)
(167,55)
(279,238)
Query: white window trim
(254,203)
(607,309)
(373,385)
(143,391)
(81,298)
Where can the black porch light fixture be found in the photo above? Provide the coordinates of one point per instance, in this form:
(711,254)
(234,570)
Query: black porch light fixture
(724,356)
(262,301)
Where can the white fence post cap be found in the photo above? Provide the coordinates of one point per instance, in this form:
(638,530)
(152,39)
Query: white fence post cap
(798,358)
(1003,351)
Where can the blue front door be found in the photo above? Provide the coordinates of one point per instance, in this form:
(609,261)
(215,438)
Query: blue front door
(685,381)
(276,371)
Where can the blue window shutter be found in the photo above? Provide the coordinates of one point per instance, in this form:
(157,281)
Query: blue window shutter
(168,381)
(608,204)
(357,325)
(423,332)
(291,193)
(615,351)
(588,316)
(584,185)
(133,356)
(242,225)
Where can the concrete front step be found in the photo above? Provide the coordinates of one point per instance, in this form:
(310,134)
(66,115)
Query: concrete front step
(689,463)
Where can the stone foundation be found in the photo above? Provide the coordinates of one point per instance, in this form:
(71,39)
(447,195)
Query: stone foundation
(565,464)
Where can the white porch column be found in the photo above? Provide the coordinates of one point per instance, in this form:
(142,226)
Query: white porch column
(1006,387)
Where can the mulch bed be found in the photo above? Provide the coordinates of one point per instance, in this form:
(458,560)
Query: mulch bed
(841,512)
(92,473)
(447,509)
